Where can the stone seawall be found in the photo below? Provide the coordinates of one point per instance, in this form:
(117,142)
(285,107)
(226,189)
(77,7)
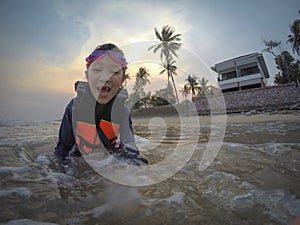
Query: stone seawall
(261,99)
(268,98)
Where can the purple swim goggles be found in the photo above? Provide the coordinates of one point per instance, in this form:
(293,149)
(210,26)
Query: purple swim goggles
(99,54)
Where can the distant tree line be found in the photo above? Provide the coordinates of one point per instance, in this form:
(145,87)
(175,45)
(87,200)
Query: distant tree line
(140,99)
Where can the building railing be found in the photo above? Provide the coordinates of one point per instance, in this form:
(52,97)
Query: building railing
(239,79)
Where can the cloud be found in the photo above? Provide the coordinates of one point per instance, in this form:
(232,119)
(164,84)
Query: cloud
(122,21)
(34,29)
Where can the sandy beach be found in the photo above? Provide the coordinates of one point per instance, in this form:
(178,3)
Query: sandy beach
(229,118)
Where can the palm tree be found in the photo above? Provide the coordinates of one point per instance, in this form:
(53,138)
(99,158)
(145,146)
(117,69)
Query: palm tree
(192,84)
(168,46)
(143,75)
(294,38)
(141,79)
(185,91)
(170,68)
(204,87)
(136,99)
(169,42)
(171,71)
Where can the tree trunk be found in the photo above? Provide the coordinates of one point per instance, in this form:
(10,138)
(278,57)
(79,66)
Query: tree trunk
(172,78)
(175,89)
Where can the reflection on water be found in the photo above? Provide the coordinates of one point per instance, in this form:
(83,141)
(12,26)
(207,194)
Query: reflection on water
(255,179)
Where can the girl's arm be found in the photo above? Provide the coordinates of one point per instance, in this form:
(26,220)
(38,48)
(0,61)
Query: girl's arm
(126,130)
(66,139)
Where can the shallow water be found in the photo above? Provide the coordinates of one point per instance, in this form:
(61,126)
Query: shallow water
(254,179)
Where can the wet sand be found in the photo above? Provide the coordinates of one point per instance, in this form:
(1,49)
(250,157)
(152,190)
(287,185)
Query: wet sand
(230,118)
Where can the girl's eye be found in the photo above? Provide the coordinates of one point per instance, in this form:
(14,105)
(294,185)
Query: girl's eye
(97,70)
(117,72)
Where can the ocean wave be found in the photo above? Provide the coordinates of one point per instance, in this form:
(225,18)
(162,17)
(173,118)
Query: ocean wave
(232,192)
(270,148)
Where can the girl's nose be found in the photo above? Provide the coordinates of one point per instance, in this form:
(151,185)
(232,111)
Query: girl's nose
(105,77)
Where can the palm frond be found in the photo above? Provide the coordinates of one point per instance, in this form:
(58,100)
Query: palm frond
(157,48)
(294,38)
(158,34)
(173,52)
(163,71)
(153,46)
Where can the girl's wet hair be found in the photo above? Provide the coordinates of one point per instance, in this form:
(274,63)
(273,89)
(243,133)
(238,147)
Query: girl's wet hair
(109,46)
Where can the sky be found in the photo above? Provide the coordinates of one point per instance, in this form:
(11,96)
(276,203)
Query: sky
(43,43)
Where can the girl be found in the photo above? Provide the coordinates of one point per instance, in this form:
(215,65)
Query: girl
(94,119)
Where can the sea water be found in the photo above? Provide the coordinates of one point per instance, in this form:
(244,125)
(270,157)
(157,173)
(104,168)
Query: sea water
(255,179)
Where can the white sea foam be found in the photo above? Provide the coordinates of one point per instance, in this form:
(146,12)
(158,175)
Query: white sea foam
(97,211)
(176,198)
(230,191)
(43,160)
(13,169)
(270,148)
(56,177)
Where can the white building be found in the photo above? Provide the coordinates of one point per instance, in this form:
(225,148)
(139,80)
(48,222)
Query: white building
(244,72)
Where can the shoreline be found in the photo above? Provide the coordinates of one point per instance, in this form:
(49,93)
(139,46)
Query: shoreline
(228,118)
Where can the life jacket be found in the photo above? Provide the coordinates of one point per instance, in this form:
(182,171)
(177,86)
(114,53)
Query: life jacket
(86,119)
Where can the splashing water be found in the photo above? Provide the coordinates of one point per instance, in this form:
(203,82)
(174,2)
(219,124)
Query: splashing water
(254,180)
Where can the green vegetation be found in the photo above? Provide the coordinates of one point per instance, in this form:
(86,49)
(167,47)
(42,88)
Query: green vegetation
(294,38)
(195,87)
(192,84)
(204,87)
(163,96)
(140,99)
(288,66)
(289,69)
(137,99)
(185,91)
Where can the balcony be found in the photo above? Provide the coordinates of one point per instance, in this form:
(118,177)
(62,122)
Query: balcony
(240,81)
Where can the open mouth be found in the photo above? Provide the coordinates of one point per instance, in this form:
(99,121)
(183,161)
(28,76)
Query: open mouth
(103,91)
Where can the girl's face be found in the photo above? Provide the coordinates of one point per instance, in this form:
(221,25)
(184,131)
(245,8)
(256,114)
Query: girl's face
(105,77)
